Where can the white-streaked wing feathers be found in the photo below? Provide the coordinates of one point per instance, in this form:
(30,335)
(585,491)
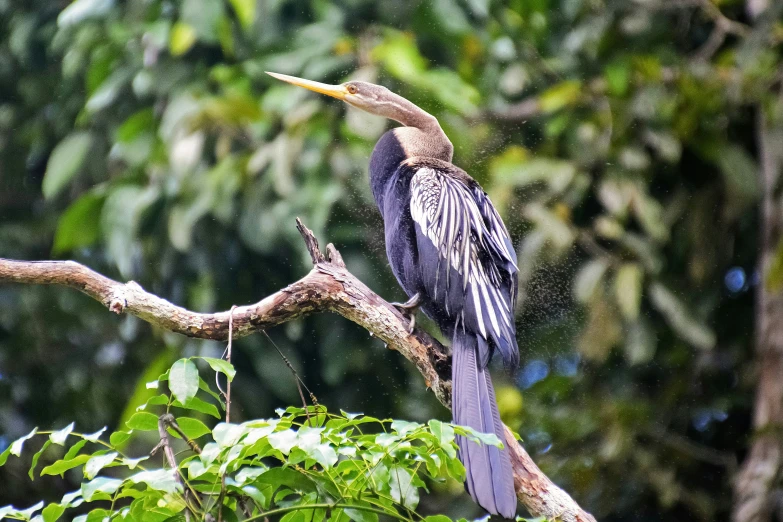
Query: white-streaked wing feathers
(467,232)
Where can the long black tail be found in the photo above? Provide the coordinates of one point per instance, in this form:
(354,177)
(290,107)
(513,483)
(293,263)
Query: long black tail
(490,480)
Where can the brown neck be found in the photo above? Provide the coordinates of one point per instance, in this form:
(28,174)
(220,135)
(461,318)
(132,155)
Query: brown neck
(422,134)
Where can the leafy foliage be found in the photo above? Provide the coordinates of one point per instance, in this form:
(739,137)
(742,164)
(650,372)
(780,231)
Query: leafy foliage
(616,138)
(306,464)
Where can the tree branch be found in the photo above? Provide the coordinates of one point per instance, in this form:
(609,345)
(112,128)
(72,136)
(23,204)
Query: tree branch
(328,287)
(761,470)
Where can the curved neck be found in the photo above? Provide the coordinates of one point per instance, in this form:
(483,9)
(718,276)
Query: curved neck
(397,108)
(424,137)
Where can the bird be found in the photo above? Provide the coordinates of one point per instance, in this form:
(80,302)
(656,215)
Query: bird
(452,255)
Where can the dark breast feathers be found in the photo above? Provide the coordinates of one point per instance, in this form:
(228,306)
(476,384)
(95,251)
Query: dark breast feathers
(466,263)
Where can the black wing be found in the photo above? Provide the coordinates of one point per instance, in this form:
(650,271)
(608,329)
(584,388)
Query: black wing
(465,254)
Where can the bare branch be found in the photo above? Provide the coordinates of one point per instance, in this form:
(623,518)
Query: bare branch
(328,287)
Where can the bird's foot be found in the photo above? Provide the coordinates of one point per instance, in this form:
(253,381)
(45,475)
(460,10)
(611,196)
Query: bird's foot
(408,309)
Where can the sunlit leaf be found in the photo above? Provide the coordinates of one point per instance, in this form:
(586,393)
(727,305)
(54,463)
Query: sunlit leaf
(159,479)
(18,444)
(36,457)
(640,341)
(183,36)
(402,488)
(64,163)
(222,366)
(680,318)
(227,434)
(93,466)
(628,289)
(143,421)
(79,225)
(100,485)
(245,10)
(61,466)
(74,450)
(59,437)
(183,380)
(588,278)
(193,428)
(81,10)
(199,405)
(52,512)
(92,437)
(561,95)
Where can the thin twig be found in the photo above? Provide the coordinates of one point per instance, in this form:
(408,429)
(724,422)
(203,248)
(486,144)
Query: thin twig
(297,380)
(164,421)
(227,396)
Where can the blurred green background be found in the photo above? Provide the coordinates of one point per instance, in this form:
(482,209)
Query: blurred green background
(617,138)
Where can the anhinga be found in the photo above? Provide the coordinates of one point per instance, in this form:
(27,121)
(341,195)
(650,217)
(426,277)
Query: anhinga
(452,254)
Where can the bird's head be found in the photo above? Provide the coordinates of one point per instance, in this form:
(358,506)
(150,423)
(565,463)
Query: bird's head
(368,97)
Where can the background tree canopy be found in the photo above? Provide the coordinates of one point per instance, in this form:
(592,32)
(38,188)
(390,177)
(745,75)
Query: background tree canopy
(619,140)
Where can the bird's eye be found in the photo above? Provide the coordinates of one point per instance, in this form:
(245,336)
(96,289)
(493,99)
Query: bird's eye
(352,89)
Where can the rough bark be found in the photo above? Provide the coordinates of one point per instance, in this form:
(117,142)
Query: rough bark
(328,287)
(756,481)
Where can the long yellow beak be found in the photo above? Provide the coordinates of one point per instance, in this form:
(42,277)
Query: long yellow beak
(335,91)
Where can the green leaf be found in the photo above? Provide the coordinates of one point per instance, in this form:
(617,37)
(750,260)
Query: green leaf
(588,278)
(226,434)
(246,11)
(289,477)
(201,406)
(137,124)
(437,518)
(402,488)
(361,515)
(92,437)
(680,318)
(404,427)
(58,437)
(618,77)
(74,450)
(118,438)
(66,160)
(157,400)
(222,366)
(193,428)
(283,441)
(97,463)
(4,456)
(52,512)
(38,456)
(559,96)
(61,466)
(628,289)
(81,10)
(443,432)
(739,170)
(159,480)
(323,454)
(182,38)
(183,380)
(476,436)
(100,485)
(79,225)
(132,463)
(18,444)
(143,421)
(640,341)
